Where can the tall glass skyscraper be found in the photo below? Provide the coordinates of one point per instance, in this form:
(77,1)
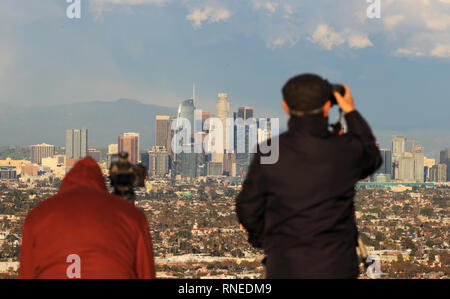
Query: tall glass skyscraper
(186,110)
(386,166)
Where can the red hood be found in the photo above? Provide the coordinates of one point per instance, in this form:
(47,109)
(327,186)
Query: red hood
(85,173)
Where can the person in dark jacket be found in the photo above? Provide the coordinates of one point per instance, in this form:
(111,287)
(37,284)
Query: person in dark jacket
(85,232)
(300,209)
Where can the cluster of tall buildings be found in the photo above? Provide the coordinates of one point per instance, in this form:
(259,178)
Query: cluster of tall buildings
(228,153)
(411,166)
(221,157)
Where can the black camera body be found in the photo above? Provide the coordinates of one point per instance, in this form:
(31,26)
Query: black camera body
(336,88)
(125,176)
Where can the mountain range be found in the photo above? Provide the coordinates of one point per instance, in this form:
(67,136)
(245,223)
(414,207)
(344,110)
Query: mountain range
(105,121)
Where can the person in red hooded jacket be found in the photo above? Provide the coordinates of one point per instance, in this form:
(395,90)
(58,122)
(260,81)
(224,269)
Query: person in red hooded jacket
(85,232)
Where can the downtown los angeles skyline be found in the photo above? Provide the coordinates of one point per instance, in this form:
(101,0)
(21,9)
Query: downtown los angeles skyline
(153,50)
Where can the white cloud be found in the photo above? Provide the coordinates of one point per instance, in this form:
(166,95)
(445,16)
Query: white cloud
(208,14)
(440,50)
(358,41)
(269,6)
(328,38)
(409,52)
(390,22)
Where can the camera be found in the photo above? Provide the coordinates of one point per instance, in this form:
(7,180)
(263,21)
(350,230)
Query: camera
(336,88)
(125,176)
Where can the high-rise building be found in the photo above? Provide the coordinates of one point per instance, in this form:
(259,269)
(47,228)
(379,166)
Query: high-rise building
(163,131)
(445,159)
(186,111)
(8,173)
(222,113)
(158,161)
(406,167)
(113,151)
(386,166)
(438,173)
(186,163)
(245,112)
(419,175)
(205,116)
(76,143)
(95,154)
(229,164)
(129,143)
(398,146)
(264,130)
(428,163)
(41,151)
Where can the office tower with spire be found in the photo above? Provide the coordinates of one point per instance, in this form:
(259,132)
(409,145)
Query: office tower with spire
(76,143)
(129,143)
(186,111)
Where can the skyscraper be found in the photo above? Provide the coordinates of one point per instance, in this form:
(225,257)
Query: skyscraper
(386,166)
(113,150)
(163,131)
(95,154)
(158,161)
(76,143)
(186,111)
(398,148)
(245,112)
(222,113)
(406,167)
(205,116)
(419,174)
(40,151)
(445,159)
(129,143)
(438,173)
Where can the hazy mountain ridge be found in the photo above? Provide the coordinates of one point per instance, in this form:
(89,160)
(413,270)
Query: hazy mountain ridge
(104,120)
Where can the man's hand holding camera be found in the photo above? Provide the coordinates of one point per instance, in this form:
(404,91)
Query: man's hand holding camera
(345,102)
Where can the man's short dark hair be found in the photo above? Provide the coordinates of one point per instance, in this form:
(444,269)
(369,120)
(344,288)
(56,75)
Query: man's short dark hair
(306,92)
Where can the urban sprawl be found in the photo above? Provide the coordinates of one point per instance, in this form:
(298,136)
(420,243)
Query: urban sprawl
(402,210)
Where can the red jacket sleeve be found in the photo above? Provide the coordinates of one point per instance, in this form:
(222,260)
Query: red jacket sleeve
(145,264)
(26,269)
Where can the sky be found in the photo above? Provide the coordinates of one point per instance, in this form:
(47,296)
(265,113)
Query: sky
(398,65)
